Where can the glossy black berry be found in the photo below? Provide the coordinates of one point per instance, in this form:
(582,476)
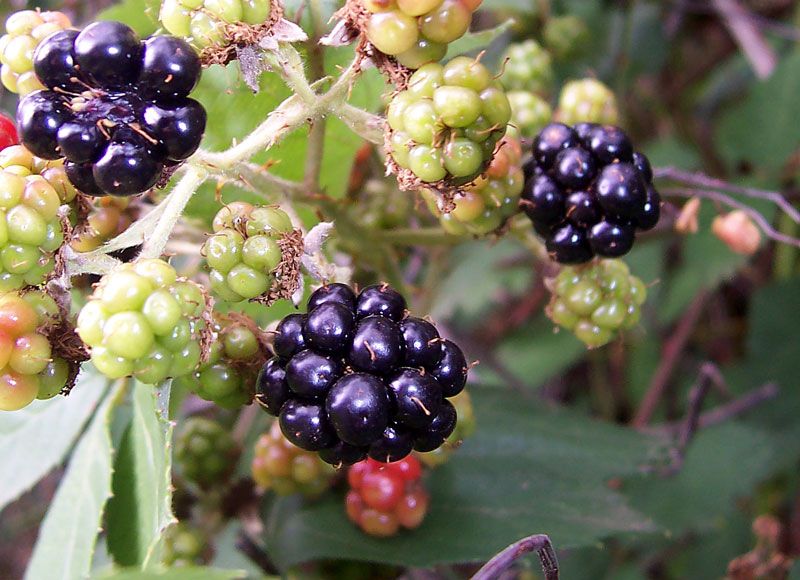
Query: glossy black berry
(451,372)
(54,62)
(337,292)
(289,336)
(582,209)
(620,191)
(568,245)
(343,454)
(650,212)
(381,300)
(608,144)
(421,340)
(81,142)
(439,429)
(611,240)
(377,346)
(394,445)
(574,168)
(109,53)
(551,140)
(311,375)
(39,116)
(272,390)
(178,126)
(543,200)
(582,130)
(82,177)
(642,164)
(416,397)
(358,408)
(170,67)
(329,327)
(127,168)
(306,425)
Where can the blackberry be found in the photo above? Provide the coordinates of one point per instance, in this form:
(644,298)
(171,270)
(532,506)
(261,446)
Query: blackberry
(108,217)
(286,469)
(527,67)
(464,428)
(587,192)
(529,112)
(25,30)
(245,250)
(143,321)
(446,124)
(116,108)
(587,101)
(185,545)
(205,453)
(382,498)
(596,301)
(358,376)
(8,132)
(565,36)
(202,22)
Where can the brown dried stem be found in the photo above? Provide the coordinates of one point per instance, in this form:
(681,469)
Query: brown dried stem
(539,543)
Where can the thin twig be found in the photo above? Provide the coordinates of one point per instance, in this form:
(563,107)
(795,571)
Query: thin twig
(539,543)
(755,49)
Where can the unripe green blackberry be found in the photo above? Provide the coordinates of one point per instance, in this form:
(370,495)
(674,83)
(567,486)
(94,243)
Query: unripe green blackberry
(446,124)
(24,31)
(529,112)
(109,217)
(143,321)
(491,199)
(31,192)
(228,376)
(286,469)
(245,250)
(205,452)
(185,545)
(527,67)
(416,32)
(565,36)
(464,428)
(596,300)
(587,101)
(202,22)
(29,366)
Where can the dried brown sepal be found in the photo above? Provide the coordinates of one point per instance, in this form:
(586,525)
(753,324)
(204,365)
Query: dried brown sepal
(207,334)
(60,266)
(238,35)
(287,273)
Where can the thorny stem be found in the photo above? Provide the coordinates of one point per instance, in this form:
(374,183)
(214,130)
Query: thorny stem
(540,543)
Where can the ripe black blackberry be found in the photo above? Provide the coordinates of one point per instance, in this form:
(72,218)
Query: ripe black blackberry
(587,191)
(115,107)
(357,376)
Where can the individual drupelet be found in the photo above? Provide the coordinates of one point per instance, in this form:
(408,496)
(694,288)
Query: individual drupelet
(587,101)
(202,22)
(587,192)
(446,124)
(526,66)
(24,31)
(205,453)
(8,132)
(143,321)
(465,427)
(115,107)
(596,301)
(357,376)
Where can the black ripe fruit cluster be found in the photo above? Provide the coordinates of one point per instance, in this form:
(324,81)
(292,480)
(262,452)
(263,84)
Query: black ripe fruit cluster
(115,107)
(587,191)
(358,376)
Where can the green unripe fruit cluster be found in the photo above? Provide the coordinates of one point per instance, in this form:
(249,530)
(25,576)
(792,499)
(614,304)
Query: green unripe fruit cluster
(143,321)
(205,453)
(24,31)
(587,101)
(244,250)
(464,428)
(529,112)
(184,546)
(31,192)
(201,22)
(446,124)
(596,301)
(565,36)
(528,67)
(286,469)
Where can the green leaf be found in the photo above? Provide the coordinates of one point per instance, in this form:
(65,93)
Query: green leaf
(528,469)
(35,439)
(197,573)
(473,41)
(140,509)
(69,531)
(141,15)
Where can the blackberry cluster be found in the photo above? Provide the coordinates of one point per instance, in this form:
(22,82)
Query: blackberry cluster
(383,498)
(108,217)
(529,112)
(8,132)
(29,369)
(115,107)
(446,124)
(527,67)
(31,192)
(587,191)
(358,376)
(491,199)
(286,469)
(587,101)
(565,36)
(227,376)
(143,321)
(205,453)
(596,301)
(416,32)
(202,22)
(24,31)
(244,250)
(185,545)
(465,427)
